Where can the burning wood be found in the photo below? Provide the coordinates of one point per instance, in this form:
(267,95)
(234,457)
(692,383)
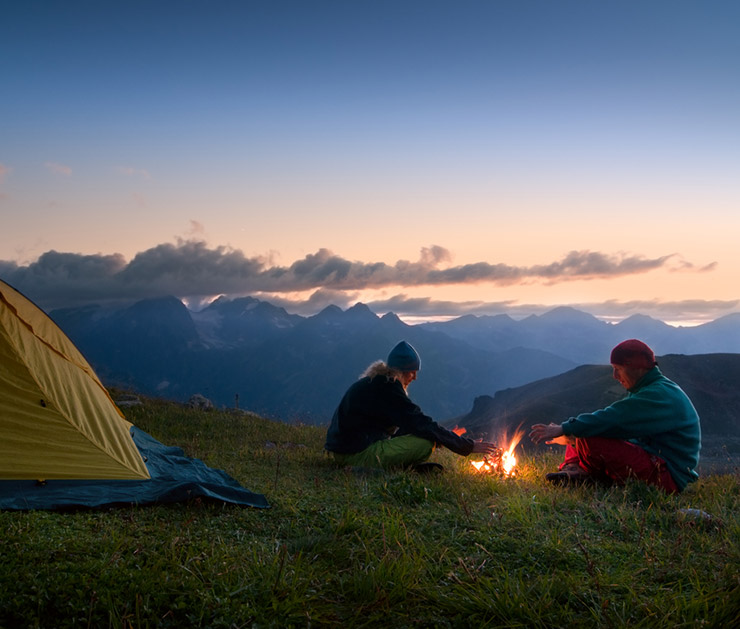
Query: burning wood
(503,462)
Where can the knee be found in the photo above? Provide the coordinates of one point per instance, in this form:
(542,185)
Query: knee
(417,449)
(422,447)
(588,445)
(593,450)
(595,442)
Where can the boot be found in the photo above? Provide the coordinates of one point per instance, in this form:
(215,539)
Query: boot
(570,474)
(428,468)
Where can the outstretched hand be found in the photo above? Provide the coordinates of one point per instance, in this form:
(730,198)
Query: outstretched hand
(549,433)
(484,447)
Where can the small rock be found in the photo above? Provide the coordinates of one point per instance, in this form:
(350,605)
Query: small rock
(695,514)
(200,402)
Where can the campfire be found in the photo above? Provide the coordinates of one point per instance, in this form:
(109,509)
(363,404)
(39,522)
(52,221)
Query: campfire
(503,462)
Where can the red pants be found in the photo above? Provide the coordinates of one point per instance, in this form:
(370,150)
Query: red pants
(616,461)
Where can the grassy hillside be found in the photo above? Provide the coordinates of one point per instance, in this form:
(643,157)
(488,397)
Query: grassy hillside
(342,549)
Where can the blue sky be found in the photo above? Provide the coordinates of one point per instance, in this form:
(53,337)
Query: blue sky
(431,157)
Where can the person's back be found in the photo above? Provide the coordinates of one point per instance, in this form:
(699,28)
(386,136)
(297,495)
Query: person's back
(674,427)
(363,415)
(377,425)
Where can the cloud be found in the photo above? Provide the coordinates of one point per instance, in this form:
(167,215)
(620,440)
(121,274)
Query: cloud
(690,309)
(316,301)
(193,271)
(581,265)
(190,268)
(59,169)
(326,269)
(196,228)
(426,308)
(65,278)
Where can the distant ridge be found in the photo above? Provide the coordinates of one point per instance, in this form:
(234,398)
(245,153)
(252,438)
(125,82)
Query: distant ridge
(279,365)
(290,367)
(585,339)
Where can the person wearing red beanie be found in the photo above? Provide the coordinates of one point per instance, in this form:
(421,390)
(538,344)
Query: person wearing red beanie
(652,435)
(633,353)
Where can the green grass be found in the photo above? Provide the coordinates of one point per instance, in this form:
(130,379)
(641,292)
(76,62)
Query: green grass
(342,549)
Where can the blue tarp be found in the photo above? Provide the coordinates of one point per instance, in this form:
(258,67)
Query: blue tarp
(174,478)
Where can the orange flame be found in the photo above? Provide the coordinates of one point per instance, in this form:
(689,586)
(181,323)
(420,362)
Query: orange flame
(459,430)
(508,460)
(505,463)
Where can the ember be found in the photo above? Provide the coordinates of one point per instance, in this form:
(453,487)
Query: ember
(503,462)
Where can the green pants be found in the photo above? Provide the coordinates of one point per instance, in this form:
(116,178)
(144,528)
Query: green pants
(400,451)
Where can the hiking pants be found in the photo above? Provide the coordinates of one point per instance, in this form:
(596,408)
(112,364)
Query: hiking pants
(616,461)
(400,451)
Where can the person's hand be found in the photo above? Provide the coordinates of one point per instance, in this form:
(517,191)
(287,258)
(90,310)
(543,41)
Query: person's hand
(549,433)
(562,441)
(484,447)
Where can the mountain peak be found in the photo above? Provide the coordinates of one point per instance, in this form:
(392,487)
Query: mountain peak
(330,312)
(167,303)
(359,307)
(391,317)
(233,306)
(641,318)
(566,313)
(361,311)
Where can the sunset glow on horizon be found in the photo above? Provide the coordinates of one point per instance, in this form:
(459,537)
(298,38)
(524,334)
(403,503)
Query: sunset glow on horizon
(430,159)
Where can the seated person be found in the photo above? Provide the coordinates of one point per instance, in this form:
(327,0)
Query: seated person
(377,425)
(653,434)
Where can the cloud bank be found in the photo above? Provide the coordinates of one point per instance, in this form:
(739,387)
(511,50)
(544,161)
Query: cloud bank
(195,272)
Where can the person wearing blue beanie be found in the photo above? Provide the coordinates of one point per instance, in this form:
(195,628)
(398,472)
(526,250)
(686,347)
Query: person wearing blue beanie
(404,358)
(376,425)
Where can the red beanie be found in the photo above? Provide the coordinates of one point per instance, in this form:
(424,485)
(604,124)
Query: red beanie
(633,353)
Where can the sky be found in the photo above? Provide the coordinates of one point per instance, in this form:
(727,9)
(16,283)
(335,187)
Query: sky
(428,158)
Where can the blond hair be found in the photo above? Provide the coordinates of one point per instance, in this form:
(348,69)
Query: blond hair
(380,368)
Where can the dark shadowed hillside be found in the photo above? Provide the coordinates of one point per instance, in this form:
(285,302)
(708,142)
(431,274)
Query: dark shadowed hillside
(710,380)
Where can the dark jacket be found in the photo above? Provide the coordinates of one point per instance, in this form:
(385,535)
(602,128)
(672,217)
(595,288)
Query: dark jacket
(657,416)
(378,408)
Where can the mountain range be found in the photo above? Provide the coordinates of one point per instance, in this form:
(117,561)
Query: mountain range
(249,353)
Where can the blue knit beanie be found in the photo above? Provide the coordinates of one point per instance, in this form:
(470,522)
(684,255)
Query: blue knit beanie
(404,358)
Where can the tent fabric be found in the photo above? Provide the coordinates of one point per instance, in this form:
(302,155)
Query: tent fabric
(57,420)
(173,478)
(63,441)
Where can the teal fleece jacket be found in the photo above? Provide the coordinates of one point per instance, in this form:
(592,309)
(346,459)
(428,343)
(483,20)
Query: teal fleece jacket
(657,416)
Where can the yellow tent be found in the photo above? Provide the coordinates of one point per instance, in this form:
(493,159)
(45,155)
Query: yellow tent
(57,420)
